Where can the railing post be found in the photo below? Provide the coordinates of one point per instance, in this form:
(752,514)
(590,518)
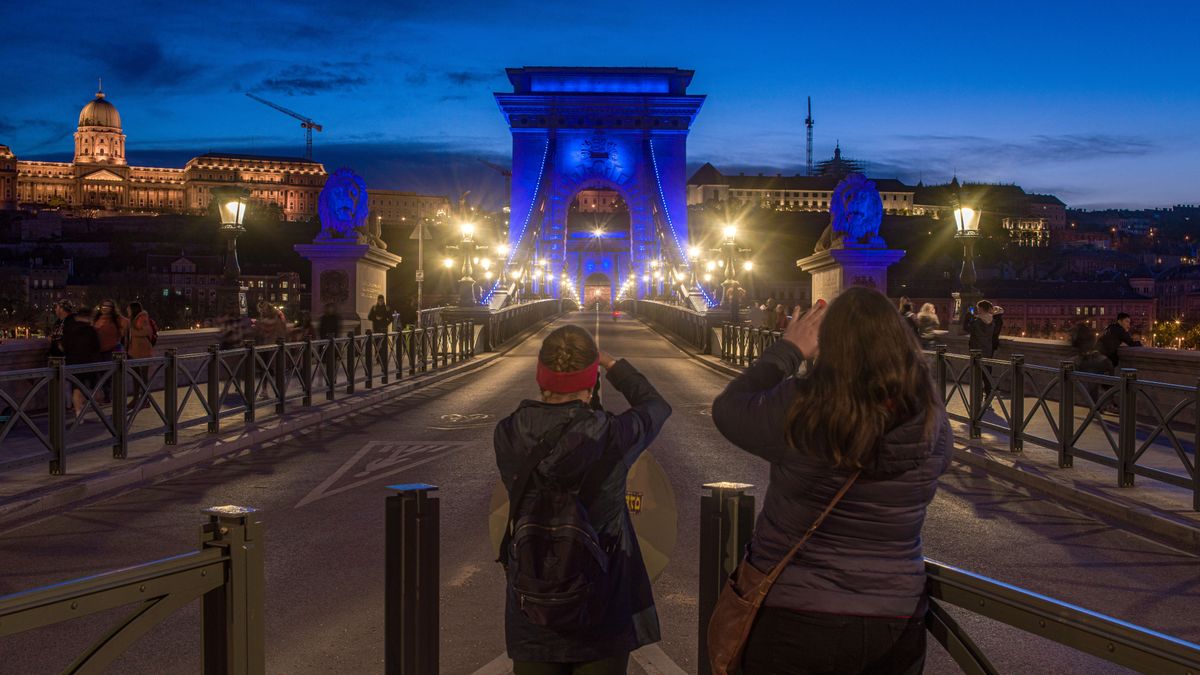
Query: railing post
(214,389)
(1127,434)
(120,418)
(281,371)
(351,361)
(369,360)
(411,540)
(249,380)
(306,371)
(1196,444)
(1016,409)
(170,396)
(1066,414)
(57,418)
(412,350)
(942,370)
(330,369)
(976,398)
(420,334)
(231,615)
(384,361)
(726,521)
(470,338)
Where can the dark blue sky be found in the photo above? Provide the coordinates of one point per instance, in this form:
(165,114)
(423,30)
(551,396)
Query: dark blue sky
(1098,102)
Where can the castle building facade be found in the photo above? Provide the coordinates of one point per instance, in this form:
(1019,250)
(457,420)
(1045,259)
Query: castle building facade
(100,179)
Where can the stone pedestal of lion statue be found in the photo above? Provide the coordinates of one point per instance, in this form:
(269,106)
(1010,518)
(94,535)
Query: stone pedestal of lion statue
(850,252)
(349,260)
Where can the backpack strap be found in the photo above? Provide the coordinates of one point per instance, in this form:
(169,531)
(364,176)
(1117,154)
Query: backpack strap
(521,484)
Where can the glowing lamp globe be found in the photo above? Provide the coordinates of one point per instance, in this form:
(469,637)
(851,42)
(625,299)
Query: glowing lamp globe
(693,252)
(467,230)
(748,265)
(231,206)
(730,231)
(447,262)
(502,250)
(966,219)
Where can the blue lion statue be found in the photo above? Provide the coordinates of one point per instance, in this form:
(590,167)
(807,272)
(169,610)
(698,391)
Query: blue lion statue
(855,212)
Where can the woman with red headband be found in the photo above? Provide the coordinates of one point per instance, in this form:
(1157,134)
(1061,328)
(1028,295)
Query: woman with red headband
(578,596)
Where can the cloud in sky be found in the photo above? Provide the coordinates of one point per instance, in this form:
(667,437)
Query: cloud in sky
(307,80)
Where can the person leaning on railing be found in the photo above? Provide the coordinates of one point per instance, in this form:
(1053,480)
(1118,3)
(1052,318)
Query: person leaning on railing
(866,414)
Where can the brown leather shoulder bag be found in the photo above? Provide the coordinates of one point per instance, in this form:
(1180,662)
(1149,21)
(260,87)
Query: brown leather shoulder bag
(743,595)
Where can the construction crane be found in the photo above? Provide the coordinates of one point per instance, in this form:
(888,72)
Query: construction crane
(507,181)
(306,123)
(808,122)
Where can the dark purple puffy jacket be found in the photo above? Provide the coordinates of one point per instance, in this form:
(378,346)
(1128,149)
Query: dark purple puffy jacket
(866,558)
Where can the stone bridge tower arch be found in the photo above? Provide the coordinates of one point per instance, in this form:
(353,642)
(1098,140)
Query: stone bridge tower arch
(620,128)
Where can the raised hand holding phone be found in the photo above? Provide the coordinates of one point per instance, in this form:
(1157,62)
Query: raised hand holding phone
(804,327)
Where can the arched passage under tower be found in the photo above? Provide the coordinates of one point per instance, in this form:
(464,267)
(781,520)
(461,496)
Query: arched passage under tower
(603,133)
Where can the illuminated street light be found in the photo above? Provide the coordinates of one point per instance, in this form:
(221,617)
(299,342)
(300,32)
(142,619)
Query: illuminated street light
(730,232)
(966,223)
(598,232)
(448,263)
(502,250)
(748,265)
(231,207)
(467,230)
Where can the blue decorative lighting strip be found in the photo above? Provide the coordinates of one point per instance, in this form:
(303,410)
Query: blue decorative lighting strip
(524,226)
(667,212)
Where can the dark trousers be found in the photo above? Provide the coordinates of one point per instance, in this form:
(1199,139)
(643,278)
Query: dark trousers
(784,642)
(613,665)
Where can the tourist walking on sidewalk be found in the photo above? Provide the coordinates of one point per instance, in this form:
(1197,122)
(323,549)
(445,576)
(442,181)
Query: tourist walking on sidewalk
(80,345)
(1116,335)
(110,327)
(380,316)
(140,340)
(927,323)
(565,462)
(865,425)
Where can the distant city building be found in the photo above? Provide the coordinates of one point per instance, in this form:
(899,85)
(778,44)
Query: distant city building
(787,193)
(198,278)
(393,207)
(1178,292)
(1043,308)
(597,201)
(99,178)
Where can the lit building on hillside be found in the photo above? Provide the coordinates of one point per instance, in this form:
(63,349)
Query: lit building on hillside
(787,193)
(100,179)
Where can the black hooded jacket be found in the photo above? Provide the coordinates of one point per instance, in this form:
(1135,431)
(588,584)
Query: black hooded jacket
(591,437)
(866,558)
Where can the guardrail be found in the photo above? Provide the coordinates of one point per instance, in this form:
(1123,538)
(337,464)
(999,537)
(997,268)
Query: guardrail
(226,575)
(502,325)
(727,521)
(180,391)
(689,325)
(1113,420)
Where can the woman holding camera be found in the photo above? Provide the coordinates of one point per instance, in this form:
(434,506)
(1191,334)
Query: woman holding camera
(861,438)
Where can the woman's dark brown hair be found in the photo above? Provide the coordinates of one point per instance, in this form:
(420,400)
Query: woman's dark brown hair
(870,376)
(568,349)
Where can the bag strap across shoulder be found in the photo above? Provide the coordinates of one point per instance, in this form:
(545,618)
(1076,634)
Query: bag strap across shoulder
(521,484)
(787,559)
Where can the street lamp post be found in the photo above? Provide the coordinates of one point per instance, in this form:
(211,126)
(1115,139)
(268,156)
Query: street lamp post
(966,222)
(231,207)
(731,295)
(467,249)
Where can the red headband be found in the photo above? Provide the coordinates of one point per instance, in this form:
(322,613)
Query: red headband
(566,383)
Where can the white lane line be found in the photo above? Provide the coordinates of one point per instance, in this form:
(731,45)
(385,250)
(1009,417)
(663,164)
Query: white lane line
(501,665)
(655,661)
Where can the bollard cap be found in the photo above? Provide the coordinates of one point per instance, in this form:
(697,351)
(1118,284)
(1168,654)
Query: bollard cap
(727,486)
(229,511)
(413,487)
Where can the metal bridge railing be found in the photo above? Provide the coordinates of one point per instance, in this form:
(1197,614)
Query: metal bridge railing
(1137,427)
(727,521)
(226,575)
(689,325)
(129,399)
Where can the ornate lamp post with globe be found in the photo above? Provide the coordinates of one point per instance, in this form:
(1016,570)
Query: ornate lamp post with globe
(231,207)
(732,288)
(966,222)
(467,248)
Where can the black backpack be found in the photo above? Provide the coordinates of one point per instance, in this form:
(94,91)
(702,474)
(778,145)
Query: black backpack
(556,564)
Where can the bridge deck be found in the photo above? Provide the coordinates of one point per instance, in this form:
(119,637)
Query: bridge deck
(321,497)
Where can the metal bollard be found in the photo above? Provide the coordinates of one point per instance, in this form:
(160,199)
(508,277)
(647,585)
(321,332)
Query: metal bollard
(231,615)
(410,624)
(726,522)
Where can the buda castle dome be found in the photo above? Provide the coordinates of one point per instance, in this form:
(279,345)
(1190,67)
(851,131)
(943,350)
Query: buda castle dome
(99,113)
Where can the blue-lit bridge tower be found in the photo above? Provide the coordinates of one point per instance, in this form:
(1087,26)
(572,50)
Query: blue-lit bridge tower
(619,129)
